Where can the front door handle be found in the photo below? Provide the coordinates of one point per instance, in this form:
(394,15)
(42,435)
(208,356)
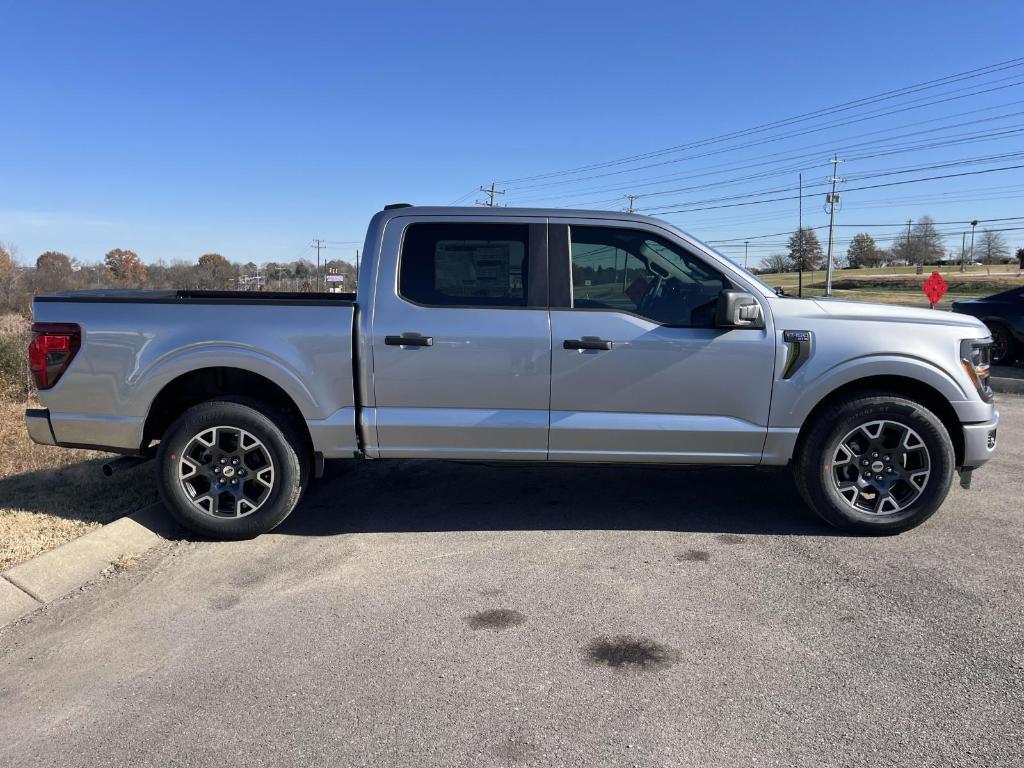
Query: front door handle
(587,342)
(409,340)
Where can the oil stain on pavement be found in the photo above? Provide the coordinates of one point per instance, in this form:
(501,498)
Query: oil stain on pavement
(629,652)
(730,538)
(496,618)
(693,556)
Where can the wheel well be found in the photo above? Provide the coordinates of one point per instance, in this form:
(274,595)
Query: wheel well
(911,389)
(203,384)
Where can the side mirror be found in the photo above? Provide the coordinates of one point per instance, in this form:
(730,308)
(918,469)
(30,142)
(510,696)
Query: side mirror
(738,309)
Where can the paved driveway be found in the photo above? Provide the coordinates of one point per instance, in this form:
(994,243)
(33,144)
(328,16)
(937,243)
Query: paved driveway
(442,614)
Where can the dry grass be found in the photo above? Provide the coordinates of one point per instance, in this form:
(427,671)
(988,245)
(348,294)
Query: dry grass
(124,562)
(51,495)
(12,323)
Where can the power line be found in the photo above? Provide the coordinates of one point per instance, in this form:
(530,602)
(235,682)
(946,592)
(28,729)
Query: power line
(812,151)
(463,198)
(880,173)
(849,189)
(914,104)
(845,106)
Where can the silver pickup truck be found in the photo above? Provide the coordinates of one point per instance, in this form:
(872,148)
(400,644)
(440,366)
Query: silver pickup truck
(518,335)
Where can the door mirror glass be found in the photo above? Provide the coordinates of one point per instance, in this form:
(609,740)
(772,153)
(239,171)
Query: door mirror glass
(738,309)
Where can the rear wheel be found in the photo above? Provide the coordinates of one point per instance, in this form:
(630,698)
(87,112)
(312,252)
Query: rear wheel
(230,470)
(877,464)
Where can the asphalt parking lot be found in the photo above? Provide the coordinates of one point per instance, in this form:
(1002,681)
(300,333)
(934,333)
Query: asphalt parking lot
(421,614)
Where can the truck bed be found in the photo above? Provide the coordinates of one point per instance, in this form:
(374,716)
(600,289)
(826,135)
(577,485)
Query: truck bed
(129,296)
(136,343)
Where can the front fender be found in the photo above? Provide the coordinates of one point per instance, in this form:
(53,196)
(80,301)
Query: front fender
(794,399)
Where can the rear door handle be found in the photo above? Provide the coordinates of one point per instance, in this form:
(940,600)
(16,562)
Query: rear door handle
(587,342)
(409,340)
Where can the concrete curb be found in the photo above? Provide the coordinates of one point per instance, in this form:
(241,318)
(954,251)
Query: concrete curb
(1007,386)
(1008,379)
(46,577)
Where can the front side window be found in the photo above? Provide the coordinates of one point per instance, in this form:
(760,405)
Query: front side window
(634,271)
(465,264)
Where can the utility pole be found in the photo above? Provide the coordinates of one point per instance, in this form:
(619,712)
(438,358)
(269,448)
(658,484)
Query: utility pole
(630,207)
(318,244)
(746,247)
(800,229)
(490,192)
(357,266)
(963,251)
(831,200)
(973,225)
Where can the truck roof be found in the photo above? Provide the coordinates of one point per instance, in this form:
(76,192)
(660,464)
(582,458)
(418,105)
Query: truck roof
(499,211)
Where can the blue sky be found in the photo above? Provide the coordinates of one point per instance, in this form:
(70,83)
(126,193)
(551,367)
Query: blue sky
(176,129)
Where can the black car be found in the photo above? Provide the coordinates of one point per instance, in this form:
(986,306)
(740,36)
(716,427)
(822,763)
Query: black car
(1003,313)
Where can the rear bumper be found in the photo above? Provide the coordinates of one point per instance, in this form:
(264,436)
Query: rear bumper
(90,433)
(980,442)
(38,422)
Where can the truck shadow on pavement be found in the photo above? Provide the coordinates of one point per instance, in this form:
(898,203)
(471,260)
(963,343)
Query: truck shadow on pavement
(415,496)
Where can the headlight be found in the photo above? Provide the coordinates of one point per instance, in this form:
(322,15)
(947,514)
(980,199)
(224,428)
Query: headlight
(975,356)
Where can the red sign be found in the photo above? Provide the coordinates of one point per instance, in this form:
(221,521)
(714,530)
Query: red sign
(935,288)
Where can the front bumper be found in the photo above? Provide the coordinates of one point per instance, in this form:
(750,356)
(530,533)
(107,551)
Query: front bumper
(980,442)
(38,422)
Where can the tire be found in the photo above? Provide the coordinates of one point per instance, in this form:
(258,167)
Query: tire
(199,450)
(1005,350)
(915,463)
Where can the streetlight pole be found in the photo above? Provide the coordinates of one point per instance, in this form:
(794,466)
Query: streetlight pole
(746,244)
(973,225)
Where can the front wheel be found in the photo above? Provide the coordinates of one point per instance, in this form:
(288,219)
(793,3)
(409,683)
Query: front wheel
(876,464)
(228,470)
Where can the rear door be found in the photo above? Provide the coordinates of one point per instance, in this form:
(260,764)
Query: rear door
(639,372)
(461,345)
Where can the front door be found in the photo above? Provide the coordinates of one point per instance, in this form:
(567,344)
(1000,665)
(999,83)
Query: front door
(461,345)
(639,372)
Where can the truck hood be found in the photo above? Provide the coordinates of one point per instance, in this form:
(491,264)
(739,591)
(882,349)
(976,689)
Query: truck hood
(891,313)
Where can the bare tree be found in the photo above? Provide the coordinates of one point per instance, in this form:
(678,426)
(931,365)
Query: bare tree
(993,248)
(922,245)
(8,275)
(775,263)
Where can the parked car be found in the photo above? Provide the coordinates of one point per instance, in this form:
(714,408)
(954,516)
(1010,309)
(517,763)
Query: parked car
(1003,314)
(517,335)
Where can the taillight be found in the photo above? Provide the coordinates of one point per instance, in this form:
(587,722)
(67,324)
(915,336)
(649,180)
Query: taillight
(51,351)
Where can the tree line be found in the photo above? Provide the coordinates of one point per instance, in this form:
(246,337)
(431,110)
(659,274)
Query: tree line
(123,268)
(922,244)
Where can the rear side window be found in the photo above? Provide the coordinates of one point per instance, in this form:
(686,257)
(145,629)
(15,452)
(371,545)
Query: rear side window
(460,265)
